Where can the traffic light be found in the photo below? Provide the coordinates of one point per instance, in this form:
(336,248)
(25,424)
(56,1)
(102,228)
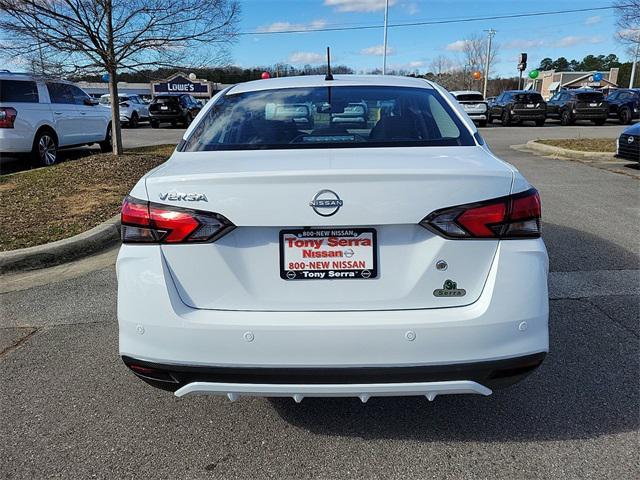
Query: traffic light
(522,62)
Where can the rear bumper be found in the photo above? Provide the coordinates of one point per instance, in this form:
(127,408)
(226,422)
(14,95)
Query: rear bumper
(477,116)
(521,115)
(166,118)
(508,321)
(12,140)
(478,377)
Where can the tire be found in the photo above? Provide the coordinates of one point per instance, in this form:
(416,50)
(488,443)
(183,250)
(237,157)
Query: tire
(566,118)
(133,123)
(106,146)
(624,114)
(599,121)
(45,148)
(540,123)
(174,124)
(155,124)
(482,123)
(506,118)
(489,119)
(188,119)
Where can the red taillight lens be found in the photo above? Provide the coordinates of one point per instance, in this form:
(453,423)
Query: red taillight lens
(146,222)
(7,117)
(513,216)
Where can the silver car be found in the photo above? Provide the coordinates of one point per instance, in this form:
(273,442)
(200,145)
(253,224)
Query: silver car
(474,104)
(133,109)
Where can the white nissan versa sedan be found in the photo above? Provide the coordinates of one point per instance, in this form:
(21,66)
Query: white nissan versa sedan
(392,256)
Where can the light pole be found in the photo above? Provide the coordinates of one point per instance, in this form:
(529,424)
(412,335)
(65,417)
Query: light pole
(491,32)
(635,62)
(384,44)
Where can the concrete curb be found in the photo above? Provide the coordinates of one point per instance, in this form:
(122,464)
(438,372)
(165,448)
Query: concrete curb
(565,152)
(84,244)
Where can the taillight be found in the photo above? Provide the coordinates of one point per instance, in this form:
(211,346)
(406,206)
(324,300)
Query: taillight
(7,117)
(513,216)
(147,222)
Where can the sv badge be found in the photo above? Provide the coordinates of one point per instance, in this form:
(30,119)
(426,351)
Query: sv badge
(449,289)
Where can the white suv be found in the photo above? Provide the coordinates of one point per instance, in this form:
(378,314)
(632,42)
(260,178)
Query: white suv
(39,116)
(133,109)
(392,256)
(474,105)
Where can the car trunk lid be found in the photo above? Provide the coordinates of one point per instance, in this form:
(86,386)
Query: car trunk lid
(265,192)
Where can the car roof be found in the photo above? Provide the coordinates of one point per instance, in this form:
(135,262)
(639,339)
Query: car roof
(338,81)
(465,92)
(8,75)
(106,95)
(521,91)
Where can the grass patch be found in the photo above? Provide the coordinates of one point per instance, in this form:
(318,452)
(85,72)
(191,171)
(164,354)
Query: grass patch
(48,204)
(583,144)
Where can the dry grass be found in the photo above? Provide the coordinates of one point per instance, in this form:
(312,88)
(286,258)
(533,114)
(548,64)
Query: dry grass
(48,204)
(584,144)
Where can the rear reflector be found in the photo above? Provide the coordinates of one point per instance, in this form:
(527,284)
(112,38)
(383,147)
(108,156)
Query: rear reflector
(513,216)
(7,117)
(146,222)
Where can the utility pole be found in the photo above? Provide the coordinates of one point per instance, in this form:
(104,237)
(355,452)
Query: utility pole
(635,62)
(384,46)
(490,33)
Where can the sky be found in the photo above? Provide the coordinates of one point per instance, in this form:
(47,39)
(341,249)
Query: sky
(571,35)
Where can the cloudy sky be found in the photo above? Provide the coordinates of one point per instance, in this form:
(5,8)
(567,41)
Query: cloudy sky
(570,35)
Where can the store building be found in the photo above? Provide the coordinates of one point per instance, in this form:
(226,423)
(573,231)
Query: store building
(550,81)
(178,83)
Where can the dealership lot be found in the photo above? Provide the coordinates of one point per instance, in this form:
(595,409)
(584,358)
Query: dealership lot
(71,409)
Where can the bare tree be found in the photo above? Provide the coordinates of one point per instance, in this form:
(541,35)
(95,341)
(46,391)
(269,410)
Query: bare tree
(440,64)
(474,51)
(97,36)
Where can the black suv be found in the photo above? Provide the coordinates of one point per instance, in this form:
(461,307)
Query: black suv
(516,106)
(580,104)
(624,104)
(173,109)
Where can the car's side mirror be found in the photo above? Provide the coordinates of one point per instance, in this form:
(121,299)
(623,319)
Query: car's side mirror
(90,102)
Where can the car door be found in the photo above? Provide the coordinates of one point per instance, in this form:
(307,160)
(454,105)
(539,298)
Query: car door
(496,110)
(613,99)
(141,108)
(91,117)
(553,105)
(66,117)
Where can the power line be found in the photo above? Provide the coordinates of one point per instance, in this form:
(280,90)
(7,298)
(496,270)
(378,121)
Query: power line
(434,22)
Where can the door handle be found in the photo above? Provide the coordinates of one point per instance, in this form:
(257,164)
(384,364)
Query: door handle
(58,113)
(83,113)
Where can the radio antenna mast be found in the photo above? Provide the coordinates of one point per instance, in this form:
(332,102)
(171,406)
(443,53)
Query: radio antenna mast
(328,76)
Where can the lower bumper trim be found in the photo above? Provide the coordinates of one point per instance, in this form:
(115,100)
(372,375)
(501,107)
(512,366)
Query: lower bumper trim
(363,391)
(356,380)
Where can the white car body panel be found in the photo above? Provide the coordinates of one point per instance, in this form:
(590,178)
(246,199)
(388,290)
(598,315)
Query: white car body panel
(163,329)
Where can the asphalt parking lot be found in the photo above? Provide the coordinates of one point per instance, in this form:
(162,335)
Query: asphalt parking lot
(70,409)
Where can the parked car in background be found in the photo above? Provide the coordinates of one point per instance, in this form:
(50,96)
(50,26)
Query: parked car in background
(355,113)
(628,143)
(517,106)
(396,257)
(173,109)
(624,104)
(581,104)
(474,104)
(133,109)
(39,116)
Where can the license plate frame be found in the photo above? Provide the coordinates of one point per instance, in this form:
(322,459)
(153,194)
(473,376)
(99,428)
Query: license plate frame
(315,273)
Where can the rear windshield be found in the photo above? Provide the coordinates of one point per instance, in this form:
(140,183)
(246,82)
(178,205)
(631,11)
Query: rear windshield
(18,91)
(590,97)
(329,117)
(470,97)
(528,97)
(165,100)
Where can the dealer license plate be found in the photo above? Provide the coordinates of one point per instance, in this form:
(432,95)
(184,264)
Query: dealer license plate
(328,254)
(164,107)
(593,104)
(530,105)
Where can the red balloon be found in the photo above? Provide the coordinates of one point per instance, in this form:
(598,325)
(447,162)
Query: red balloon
(265,75)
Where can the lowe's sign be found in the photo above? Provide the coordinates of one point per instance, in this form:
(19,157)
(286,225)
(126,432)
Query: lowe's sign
(181,84)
